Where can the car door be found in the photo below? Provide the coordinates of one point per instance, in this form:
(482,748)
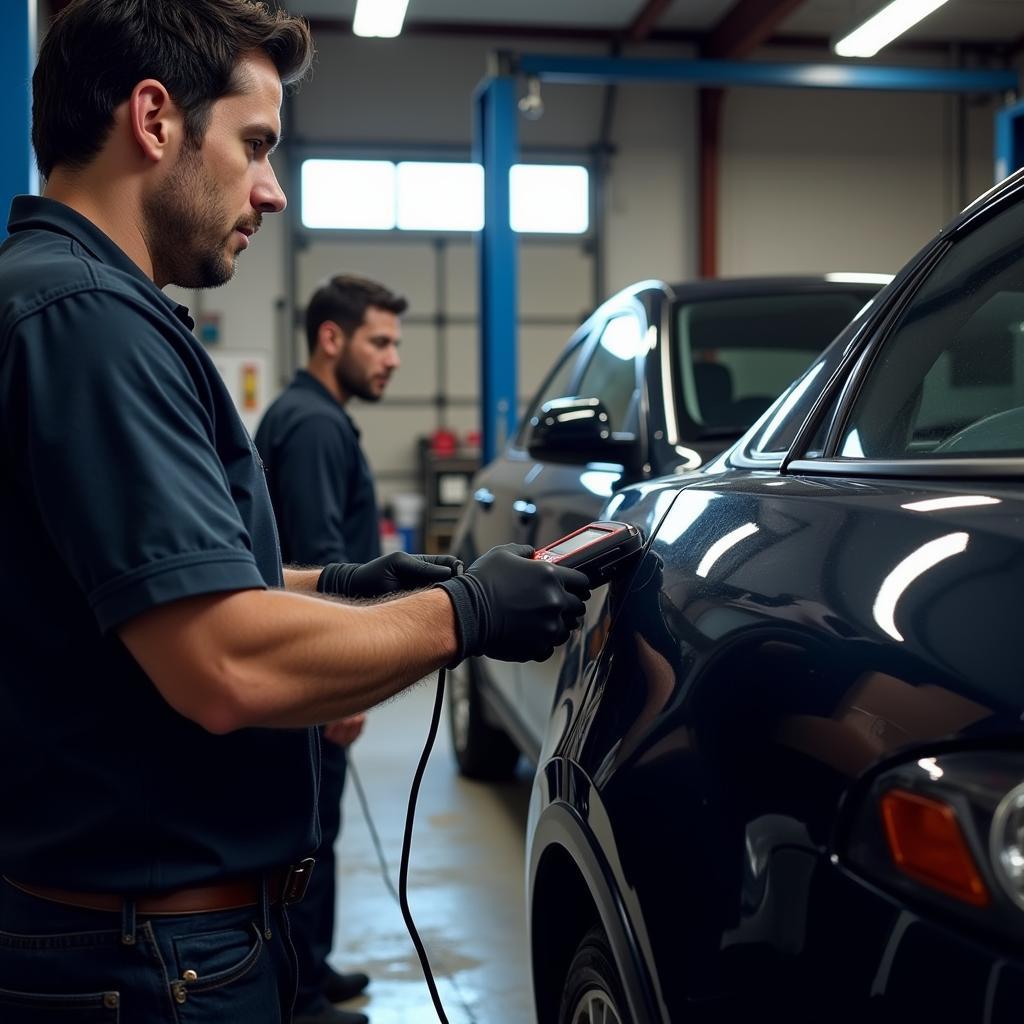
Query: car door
(561,497)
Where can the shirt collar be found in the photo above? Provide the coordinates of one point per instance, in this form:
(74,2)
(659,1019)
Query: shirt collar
(42,214)
(305,380)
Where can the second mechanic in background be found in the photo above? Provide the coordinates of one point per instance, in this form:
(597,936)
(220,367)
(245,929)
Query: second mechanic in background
(324,501)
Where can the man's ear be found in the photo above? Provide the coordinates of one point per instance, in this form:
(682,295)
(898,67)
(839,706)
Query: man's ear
(155,120)
(331,338)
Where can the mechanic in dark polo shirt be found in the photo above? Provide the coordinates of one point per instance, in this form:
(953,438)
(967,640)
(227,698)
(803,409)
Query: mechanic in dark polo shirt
(158,686)
(326,510)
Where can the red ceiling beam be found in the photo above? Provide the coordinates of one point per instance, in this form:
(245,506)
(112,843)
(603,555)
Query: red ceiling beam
(749,24)
(643,24)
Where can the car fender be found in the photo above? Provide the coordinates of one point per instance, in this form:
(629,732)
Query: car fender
(565,810)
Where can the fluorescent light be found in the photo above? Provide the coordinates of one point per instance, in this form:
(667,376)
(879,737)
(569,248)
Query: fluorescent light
(379,17)
(891,21)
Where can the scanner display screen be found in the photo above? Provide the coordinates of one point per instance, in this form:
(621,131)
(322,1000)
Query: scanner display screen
(568,546)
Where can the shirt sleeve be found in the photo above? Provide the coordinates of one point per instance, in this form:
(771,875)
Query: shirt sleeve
(110,417)
(313,467)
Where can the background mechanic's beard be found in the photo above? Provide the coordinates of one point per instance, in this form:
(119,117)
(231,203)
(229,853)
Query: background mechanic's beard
(353,382)
(183,228)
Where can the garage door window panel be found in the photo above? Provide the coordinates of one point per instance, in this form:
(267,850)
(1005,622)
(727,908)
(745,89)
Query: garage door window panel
(949,381)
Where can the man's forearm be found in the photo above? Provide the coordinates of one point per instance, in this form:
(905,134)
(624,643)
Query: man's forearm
(301,581)
(269,658)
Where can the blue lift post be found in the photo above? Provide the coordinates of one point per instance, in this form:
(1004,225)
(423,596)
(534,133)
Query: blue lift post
(1009,141)
(496,141)
(17,57)
(495,145)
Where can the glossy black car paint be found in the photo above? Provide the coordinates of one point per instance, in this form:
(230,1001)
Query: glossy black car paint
(530,499)
(720,717)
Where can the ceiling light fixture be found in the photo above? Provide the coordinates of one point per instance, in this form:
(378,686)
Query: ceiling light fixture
(379,17)
(882,28)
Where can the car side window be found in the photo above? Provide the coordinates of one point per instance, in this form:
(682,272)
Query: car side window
(787,415)
(949,380)
(556,386)
(611,373)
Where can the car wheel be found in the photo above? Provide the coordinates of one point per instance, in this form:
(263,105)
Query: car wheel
(481,750)
(593,992)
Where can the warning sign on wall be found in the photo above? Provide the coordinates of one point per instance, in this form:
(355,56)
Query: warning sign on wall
(245,374)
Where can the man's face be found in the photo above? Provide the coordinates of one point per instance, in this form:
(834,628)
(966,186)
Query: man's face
(369,356)
(213,199)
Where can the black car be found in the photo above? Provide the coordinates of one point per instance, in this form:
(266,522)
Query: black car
(784,769)
(658,380)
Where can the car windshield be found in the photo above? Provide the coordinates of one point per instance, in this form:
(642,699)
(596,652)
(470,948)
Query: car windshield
(735,356)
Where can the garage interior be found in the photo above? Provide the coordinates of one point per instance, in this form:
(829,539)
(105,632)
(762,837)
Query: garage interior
(684,180)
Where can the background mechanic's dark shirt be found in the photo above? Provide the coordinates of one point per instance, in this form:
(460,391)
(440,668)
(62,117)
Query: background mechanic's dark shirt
(320,483)
(127,480)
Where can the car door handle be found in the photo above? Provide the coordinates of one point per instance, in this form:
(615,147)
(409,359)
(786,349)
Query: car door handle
(483,497)
(526,510)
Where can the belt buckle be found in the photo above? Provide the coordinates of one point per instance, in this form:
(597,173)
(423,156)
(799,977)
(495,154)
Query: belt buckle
(296,881)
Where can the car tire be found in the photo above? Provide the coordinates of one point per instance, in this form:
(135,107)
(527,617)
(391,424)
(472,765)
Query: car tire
(481,751)
(593,992)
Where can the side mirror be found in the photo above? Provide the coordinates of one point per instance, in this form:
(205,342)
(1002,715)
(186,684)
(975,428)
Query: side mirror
(578,431)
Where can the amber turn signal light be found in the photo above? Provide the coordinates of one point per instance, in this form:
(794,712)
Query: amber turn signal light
(927,843)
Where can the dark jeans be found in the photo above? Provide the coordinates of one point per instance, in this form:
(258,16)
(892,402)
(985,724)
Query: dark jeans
(312,920)
(64,964)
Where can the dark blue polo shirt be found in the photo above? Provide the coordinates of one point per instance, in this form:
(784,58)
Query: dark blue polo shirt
(127,481)
(320,483)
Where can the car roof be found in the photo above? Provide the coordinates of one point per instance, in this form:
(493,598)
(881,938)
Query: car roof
(995,194)
(724,287)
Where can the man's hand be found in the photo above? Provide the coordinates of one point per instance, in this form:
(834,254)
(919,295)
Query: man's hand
(345,731)
(511,607)
(389,574)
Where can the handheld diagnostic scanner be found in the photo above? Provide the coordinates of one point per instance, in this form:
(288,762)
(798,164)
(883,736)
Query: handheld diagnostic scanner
(599,550)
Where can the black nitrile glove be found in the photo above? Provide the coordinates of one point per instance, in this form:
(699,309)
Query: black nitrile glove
(389,574)
(510,607)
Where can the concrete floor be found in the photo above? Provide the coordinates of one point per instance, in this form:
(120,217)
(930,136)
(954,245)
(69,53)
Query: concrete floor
(466,879)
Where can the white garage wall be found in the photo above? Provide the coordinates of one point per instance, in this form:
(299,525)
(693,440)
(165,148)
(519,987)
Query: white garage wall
(843,180)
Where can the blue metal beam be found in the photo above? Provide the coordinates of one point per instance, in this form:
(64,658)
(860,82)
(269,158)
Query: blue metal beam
(17,56)
(1009,140)
(496,145)
(604,70)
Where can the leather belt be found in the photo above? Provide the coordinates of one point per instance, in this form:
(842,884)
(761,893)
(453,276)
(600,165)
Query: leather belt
(286,885)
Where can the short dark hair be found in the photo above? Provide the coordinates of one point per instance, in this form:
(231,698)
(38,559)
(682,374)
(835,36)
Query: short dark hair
(97,51)
(345,299)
